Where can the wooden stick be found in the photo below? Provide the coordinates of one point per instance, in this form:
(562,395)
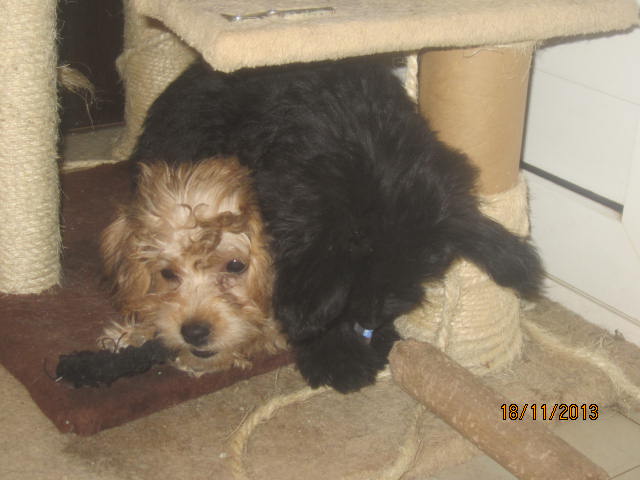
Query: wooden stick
(525,447)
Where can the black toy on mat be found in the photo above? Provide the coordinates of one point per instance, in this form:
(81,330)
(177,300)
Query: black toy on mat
(103,367)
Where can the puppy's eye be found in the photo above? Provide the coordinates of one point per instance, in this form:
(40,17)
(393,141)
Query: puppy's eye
(169,274)
(236,266)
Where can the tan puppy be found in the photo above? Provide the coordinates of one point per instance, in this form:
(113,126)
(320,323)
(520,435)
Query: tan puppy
(189,264)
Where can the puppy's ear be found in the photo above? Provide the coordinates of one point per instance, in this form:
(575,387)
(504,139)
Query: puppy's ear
(509,259)
(123,267)
(260,275)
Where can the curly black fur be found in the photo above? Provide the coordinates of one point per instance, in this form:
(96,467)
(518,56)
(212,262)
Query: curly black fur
(103,367)
(362,201)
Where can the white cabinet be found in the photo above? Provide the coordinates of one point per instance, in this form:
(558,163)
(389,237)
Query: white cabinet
(583,127)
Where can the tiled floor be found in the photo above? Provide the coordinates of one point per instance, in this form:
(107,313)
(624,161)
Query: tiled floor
(612,441)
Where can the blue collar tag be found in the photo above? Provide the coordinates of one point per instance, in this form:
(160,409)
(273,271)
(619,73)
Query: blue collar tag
(363,332)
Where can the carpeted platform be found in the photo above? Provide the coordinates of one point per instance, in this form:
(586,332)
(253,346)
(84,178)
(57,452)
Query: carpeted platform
(36,329)
(363,28)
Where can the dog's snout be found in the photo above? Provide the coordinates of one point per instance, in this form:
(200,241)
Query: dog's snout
(196,333)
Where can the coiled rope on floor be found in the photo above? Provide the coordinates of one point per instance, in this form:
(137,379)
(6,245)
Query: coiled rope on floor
(237,444)
(29,188)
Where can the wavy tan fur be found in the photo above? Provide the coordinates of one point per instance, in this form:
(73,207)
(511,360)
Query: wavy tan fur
(167,254)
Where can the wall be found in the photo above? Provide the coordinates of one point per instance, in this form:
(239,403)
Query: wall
(583,141)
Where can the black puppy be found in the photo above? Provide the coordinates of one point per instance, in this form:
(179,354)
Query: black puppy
(363,203)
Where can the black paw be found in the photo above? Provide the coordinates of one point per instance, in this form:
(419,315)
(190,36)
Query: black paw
(343,359)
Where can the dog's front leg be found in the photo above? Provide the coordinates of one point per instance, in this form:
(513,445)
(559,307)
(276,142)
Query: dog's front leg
(340,358)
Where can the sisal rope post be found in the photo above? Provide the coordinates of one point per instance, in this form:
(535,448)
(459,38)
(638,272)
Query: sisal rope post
(152,58)
(476,100)
(29,184)
(468,316)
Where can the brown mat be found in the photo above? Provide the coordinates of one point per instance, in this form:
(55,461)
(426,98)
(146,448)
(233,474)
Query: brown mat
(36,329)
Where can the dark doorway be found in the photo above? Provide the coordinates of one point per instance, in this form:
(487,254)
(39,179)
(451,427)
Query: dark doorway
(90,40)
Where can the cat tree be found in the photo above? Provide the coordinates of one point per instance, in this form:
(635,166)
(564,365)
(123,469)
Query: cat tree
(470,79)
(469,76)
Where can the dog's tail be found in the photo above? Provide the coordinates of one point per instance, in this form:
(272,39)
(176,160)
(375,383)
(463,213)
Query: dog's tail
(510,260)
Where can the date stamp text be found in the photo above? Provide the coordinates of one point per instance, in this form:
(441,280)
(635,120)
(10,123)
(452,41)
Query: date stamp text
(543,411)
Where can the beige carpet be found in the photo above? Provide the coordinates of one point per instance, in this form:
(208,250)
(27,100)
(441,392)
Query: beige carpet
(328,437)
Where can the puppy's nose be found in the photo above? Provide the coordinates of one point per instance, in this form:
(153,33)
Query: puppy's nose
(196,333)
